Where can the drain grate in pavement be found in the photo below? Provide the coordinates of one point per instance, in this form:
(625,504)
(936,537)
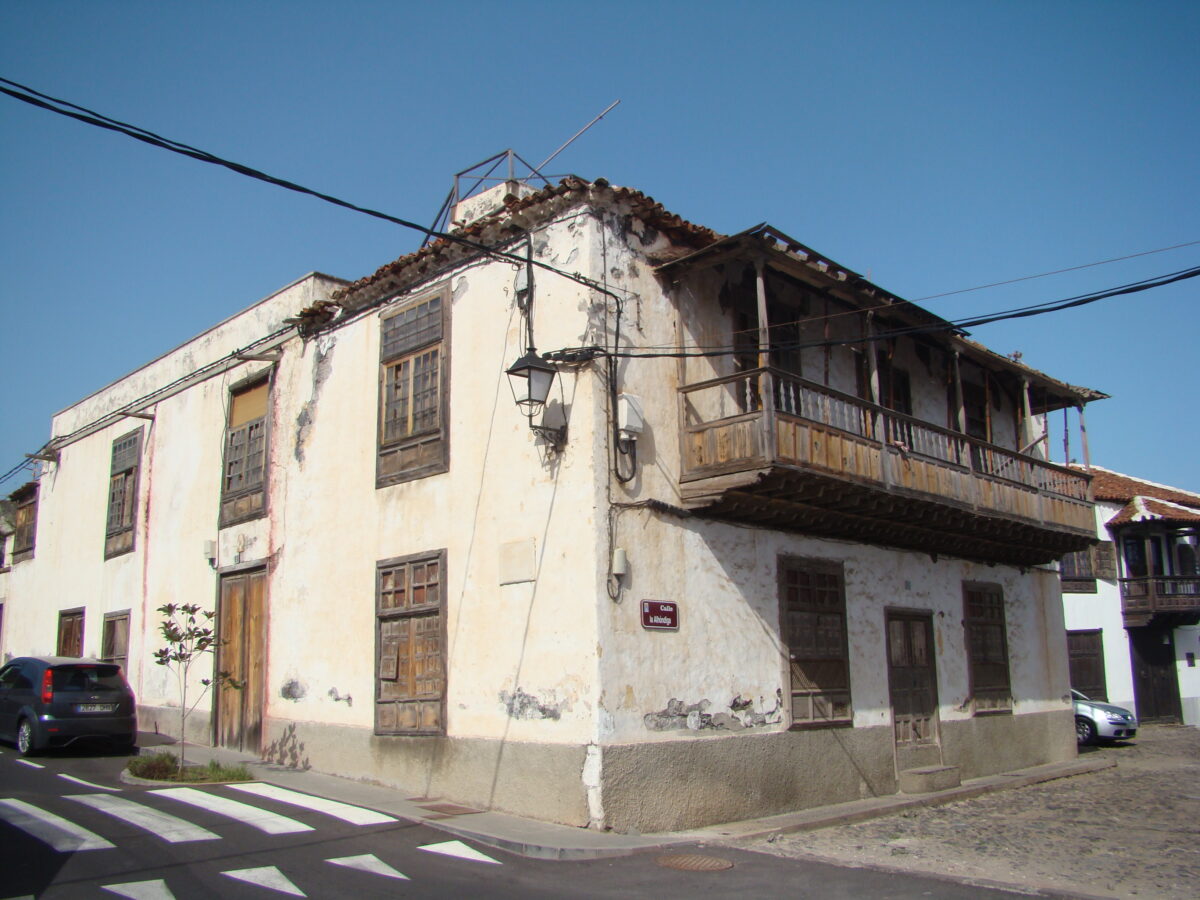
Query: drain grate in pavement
(450,809)
(694,862)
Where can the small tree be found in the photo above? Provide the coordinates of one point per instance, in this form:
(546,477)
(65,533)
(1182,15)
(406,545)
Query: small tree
(189,636)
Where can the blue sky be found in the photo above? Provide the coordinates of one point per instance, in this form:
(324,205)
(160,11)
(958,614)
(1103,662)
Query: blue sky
(932,146)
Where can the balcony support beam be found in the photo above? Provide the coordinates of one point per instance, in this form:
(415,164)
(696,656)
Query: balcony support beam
(766,385)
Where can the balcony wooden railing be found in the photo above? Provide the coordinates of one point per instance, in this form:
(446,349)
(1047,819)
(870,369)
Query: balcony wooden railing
(1160,593)
(764,417)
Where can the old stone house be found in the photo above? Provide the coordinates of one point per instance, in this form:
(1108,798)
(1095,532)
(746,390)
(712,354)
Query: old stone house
(1132,601)
(758,535)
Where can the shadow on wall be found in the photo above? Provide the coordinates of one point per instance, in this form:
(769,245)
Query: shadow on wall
(287,750)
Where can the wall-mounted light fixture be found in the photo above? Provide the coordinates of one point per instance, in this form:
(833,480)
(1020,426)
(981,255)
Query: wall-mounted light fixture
(530,378)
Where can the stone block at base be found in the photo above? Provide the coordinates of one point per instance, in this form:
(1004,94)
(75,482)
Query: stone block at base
(928,779)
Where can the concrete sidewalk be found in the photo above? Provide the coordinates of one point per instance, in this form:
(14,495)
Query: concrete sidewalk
(543,840)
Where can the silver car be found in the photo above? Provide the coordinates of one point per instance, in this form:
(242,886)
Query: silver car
(1096,721)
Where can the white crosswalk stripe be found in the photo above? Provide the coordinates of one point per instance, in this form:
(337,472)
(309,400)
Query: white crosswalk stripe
(269,822)
(268,877)
(355,815)
(368,862)
(141,890)
(61,834)
(87,784)
(170,828)
(461,851)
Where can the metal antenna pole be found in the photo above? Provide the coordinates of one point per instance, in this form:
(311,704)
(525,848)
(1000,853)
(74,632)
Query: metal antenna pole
(546,161)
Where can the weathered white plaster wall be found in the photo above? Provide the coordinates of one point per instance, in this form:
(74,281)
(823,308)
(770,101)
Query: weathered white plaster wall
(1187,640)
(1103,610)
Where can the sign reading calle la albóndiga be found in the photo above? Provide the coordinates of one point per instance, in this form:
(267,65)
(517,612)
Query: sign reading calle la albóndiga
(660,616)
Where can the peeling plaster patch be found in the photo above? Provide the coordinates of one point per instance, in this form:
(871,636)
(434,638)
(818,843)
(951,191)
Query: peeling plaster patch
(695,717)
(460,289)
(293,690)
(340,698)
(322,365)
(593,785)
(521,705)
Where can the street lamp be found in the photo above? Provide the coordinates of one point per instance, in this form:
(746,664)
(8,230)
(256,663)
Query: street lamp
(530,378)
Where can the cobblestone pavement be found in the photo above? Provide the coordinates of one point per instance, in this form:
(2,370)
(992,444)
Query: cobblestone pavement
(1128,831)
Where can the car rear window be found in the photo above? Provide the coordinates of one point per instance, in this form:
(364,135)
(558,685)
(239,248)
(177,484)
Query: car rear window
(88,678)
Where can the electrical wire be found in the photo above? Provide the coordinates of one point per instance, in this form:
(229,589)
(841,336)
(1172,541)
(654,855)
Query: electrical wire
(1018,313)
(91,117)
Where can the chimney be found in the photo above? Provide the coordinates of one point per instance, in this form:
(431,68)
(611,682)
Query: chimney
(474,208)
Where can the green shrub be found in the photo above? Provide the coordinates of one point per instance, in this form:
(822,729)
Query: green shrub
(161,766)
(164,766)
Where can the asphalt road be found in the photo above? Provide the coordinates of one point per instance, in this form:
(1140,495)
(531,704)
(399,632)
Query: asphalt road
(168,846)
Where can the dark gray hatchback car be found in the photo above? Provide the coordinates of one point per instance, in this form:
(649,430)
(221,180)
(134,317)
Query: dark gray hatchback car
(53,701)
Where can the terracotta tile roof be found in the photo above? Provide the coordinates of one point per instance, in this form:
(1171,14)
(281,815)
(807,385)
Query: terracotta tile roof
(1108,485)
(1141,509)
(517,216)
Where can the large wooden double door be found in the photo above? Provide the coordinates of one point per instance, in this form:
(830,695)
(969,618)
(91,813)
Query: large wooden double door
(1155,683)
(242,653)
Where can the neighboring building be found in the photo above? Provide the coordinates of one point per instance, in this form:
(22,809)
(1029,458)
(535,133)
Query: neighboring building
(1132,602)
(777,537)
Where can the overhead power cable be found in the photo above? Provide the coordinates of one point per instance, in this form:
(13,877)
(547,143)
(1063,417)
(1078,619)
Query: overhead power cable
(65,108)
(1018,313)
(1102,262)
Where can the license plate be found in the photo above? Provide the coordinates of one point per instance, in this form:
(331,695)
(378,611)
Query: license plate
(95,707)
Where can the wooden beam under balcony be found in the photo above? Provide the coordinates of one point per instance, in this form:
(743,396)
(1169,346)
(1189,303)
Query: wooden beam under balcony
(818,461)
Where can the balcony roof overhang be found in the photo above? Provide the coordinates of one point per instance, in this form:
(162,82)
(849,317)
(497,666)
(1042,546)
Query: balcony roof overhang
(785,254)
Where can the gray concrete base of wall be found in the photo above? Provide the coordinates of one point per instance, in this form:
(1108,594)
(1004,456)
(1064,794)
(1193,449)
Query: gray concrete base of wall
(652,786)
(690,783)
(540,781)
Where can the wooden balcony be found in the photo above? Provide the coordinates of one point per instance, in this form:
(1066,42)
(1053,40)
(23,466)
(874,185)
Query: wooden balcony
(1160,595)
(768,448)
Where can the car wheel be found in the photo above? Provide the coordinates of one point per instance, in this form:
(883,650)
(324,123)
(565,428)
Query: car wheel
(1085,731)
(25,738)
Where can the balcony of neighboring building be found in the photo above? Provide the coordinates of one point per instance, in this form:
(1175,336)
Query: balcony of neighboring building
(1160,570)
(841,411)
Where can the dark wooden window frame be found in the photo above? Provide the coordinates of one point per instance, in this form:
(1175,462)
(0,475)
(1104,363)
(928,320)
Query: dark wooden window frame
(25,520)
(120,531)
(421,449)
(1079,571)
(107,638)
(237,452)
(390,613)
(63,616)
(796,671)
(981,629)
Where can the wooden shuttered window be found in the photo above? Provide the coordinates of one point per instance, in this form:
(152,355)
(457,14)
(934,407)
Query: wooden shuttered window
(987,648)
(813,610)
(70,633)
(25,524)
(243,479)
(412,392)
(114,642)
(1080,570)
(1085,655)
(119,531)
(410,682)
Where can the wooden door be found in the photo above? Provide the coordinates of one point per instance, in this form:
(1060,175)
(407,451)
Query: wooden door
(1085,652)
(912,679)
(1155,684)
(241,653)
